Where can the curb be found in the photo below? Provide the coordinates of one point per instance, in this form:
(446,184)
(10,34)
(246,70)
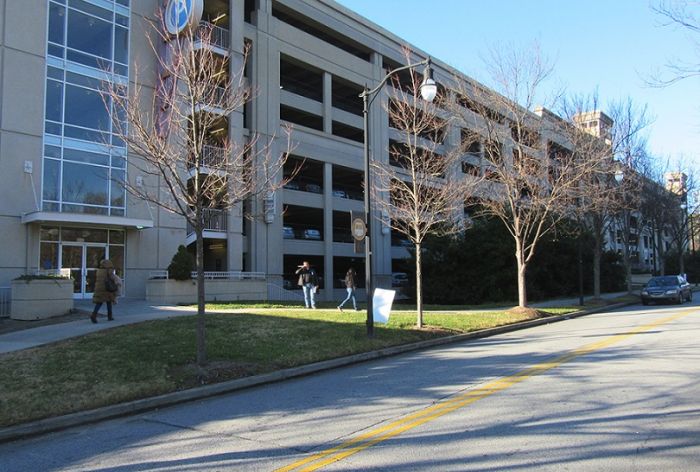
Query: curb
(138,406)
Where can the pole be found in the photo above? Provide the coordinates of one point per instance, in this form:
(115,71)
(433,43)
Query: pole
(368,242)
(366,102)
(580,271)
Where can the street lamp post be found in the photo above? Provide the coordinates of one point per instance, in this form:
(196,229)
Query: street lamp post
(428,89)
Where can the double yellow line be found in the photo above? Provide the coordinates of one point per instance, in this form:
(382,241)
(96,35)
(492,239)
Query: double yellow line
(377,435)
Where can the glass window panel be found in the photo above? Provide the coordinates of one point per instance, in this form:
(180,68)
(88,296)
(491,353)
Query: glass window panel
(118,188)
(84,80)
(52,151)
(121,45)
(87,210)
(54,73)
(89,34)
(117,212)
(84,107)
(116,255)
(48,256)
(85,184)
(52,179)
(50,206)
(94,235)
(123,2)
(116,237)
(54,100)
(90,8)
(88,60)
(118,162)
(85,156)
(52,128)
(122,20)
(69,234)
(86,135)
(121,70)
(49,233)
(57,23)
(117,141)
(56,51)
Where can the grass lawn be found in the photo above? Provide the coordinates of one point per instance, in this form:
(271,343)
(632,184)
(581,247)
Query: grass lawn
(155,357)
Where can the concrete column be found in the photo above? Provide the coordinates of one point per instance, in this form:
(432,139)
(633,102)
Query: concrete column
(327,103)
(328,231)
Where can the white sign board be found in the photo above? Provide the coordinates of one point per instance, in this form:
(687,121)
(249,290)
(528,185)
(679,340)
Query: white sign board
(381,304)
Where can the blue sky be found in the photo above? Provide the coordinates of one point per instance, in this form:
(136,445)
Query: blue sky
(603,45)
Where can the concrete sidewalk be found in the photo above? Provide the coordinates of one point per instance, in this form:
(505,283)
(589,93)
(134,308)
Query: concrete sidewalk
(129,311)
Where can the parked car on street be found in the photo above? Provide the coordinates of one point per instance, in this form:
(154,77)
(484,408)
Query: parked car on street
(670,288)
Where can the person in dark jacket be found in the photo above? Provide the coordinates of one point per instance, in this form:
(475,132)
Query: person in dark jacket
(350,287)
(308,280)
(101,294)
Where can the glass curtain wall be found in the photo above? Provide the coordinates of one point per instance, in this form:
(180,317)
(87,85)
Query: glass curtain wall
(84,161)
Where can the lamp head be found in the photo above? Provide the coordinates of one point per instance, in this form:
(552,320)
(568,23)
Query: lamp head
(428,89)
(619,175)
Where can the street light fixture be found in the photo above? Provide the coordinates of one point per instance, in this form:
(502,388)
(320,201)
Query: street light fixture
(619,175)
(428,91)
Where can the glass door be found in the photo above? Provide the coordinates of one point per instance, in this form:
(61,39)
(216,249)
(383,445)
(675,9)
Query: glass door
(82,261)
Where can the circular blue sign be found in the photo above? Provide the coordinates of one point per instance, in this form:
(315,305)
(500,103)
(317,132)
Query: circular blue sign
(182,14)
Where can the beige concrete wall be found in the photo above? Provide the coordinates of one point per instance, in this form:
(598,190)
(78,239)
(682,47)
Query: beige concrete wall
(22,72)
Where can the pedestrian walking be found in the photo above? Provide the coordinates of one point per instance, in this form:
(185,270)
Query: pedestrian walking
(308,280)
(106,289)
(350,287)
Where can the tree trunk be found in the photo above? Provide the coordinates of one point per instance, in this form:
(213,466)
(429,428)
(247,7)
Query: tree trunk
(659,245)
(681,262)
(628,266)
(597,256)
(419,286)
(201,335)
(522,268)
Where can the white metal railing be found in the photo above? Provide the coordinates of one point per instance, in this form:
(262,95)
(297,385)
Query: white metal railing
(275,292)
(220,37)
(5,298)
(213,156)
(214,220)
(54,272)
(214,275)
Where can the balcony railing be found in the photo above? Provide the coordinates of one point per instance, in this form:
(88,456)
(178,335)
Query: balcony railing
(220,37)
(215,275)
(214,220)
(212,156)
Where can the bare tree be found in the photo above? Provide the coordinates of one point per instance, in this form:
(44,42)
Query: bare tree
(681,13)
(421,190)
(603,137)
(629,147)
(178,138)
(532,169)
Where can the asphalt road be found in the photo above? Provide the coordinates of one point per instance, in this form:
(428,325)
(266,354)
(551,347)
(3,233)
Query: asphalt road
(612,391)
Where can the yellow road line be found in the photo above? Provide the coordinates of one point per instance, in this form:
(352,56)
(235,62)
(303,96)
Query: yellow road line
(377,435)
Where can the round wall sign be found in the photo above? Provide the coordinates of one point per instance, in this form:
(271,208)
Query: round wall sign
(182,14)
(359,230)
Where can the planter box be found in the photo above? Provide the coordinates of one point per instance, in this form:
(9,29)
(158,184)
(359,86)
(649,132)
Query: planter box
(39,299)
(178,292)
